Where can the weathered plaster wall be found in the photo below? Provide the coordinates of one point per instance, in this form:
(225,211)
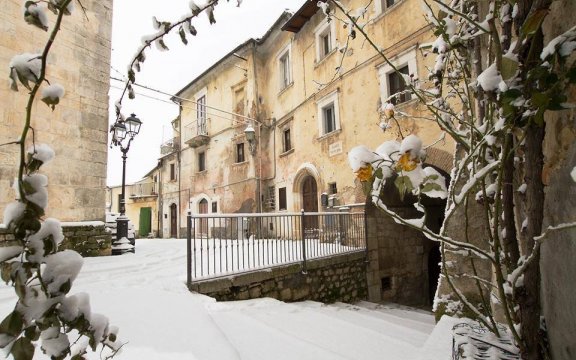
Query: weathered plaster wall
(77,130)
(337,278)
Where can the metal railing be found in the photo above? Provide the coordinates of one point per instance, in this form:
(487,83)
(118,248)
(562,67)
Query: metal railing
(225,244)
(142,189)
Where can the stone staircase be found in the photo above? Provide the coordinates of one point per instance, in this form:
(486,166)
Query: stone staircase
(312,330)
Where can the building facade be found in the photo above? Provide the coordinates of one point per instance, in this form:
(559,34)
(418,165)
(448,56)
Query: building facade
(78,127)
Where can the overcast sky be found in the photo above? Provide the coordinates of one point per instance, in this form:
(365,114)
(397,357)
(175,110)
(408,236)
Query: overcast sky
(171,71)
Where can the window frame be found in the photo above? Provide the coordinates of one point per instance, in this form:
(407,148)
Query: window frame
(201,112)
(285,78)
(381,6)
(282,199)
(240,153)
(407,58)
(287,140)
(201,161)
(330,100)
(172,169)
(324,28)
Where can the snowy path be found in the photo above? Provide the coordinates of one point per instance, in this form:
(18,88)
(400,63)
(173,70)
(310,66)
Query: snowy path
(145,295)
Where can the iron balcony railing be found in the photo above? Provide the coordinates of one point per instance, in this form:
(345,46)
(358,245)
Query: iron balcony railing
(221,245)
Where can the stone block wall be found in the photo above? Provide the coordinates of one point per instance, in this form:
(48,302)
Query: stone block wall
(337,278)
(89,239)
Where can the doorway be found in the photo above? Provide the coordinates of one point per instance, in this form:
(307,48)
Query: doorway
(203,209)
(145,223)
(310,204)
(173,221)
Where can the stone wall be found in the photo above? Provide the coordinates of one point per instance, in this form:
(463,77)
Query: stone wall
(89,239)
(337,278)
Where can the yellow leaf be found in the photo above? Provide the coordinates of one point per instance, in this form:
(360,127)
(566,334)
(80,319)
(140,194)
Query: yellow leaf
(364,173)
(405,163)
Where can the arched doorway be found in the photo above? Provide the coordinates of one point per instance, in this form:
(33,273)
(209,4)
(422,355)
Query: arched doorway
(203,209)
(310,203)
(173,221)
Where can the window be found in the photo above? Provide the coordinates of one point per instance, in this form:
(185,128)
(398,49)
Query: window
(396,85)
(240,153)
(383,5)
(284,68)
(282,199)
(201,115)
(393,83)
(239,93)
(286,140)
(172,172)
(332,188)
(325,39)
(214,207)
(328,114)
(201,161)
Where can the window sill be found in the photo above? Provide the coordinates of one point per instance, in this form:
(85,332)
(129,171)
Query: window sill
(386,11)
(287,152)
(203,172)
(319,62)
(329,135)
(285,88)
(245,162)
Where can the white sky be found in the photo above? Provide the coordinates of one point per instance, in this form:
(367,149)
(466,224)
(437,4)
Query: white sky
(171,71)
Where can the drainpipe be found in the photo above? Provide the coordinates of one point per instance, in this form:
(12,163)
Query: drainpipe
(257,102)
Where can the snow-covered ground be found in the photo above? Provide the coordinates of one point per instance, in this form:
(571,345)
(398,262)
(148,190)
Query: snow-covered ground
(145,295)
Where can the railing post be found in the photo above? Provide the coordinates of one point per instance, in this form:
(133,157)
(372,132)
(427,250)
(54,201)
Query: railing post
(189,248)
(303,230)
(366,234)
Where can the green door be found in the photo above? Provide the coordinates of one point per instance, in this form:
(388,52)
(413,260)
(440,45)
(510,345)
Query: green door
(145,222)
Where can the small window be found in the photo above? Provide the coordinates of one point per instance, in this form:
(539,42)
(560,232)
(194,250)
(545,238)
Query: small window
(392,84)
(214,207)
(328,118)
(332,188)
(287,140)
(271,202)
(324,39)
(282,203)
(284,69)
(386,283)
(328,114)
(396,85)
(201,161)
(383,5)
(172,172)
(240,153)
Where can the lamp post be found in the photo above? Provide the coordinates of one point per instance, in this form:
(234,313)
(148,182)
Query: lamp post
(122,130)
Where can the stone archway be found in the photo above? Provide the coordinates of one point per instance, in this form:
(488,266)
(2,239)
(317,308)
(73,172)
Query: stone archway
(306,172)
(407,265)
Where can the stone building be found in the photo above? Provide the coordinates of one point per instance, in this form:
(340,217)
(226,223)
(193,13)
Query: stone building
(77,129)
(308,95)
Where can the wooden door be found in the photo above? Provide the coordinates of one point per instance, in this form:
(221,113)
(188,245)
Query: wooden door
(173,221)
(203,209)
(310,202)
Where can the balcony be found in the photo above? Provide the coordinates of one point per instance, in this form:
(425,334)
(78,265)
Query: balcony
(196,135)
(143,190)
(170,146)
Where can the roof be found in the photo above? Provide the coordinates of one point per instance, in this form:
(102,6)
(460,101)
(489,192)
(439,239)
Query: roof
(285,15)
(301,17)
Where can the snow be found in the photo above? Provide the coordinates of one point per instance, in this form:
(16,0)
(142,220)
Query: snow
(144,294)
(9,252)
(490,79)
(54,92)
(412,144)
(573,174)
(41,152)
(13,211)
(360,156)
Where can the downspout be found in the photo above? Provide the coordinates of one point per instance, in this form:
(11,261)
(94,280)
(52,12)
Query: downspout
(179,166)
(257,102)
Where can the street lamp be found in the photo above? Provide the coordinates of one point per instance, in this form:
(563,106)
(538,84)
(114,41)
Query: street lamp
(122,130)
(251,137)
